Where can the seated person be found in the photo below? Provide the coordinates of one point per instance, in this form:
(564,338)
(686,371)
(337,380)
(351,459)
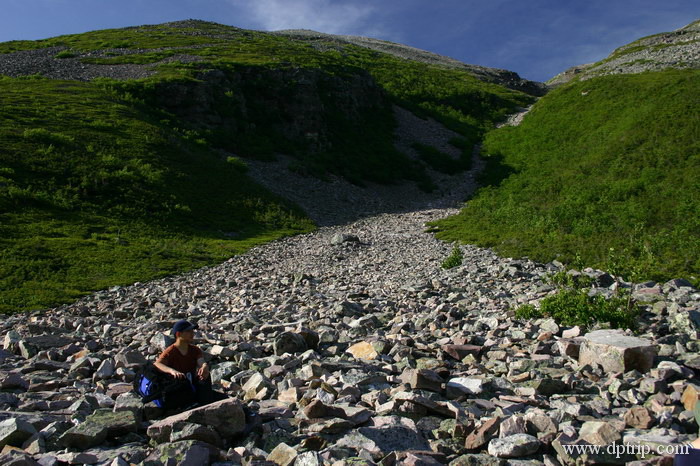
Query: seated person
(185,362)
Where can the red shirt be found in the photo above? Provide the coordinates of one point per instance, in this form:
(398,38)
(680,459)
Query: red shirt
(173,358)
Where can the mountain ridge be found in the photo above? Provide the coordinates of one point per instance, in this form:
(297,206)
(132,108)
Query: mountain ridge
(503,77)
(678,49)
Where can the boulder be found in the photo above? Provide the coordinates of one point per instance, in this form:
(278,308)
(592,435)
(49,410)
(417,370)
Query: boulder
(363,350)
(340,238)
(289,342)
(283,455)
(687,322)
(380,441)
(690,397)
(477,460)
(639,417)
(185,453)
(423,379)
(190,431)
(460,352)
(514,446)
(15,432)
(482,434)
(225,416)
(223,371)
(84,435)
(599,433)
(616,352)
(464,386)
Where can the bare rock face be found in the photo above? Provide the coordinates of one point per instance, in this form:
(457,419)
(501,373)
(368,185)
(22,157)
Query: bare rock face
(616,352)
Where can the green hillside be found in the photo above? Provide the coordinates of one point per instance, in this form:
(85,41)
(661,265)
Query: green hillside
(109,182)
(603,172)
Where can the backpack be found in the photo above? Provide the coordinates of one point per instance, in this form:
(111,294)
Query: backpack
(164,390)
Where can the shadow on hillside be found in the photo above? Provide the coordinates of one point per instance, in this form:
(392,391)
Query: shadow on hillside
(336,201)
(495,171)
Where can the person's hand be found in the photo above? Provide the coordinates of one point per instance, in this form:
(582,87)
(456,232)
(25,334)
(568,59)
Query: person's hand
(203,372)
(177,374)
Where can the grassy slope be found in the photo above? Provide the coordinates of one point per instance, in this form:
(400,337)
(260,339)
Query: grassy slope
(98,188)
(94,193)
(604,172)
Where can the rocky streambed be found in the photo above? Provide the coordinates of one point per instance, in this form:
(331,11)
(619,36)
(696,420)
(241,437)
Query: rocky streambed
(353,346)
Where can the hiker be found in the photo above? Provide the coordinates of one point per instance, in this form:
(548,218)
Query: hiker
(185,363)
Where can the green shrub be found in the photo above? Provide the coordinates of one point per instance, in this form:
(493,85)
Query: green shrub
(46,136)
(65,54)
(568,280)
(572,306)
(237,163)
(454,259)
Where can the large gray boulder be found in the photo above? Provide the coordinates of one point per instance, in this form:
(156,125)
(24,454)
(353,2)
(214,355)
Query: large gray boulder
(14,432)
(616,352)
(289,342)
(226,417)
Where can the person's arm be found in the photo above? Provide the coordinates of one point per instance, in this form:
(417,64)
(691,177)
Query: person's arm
(161,365)
(169,370)
(202,368)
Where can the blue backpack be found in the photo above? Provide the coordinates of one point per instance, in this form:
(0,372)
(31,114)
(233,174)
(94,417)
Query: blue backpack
(165,391)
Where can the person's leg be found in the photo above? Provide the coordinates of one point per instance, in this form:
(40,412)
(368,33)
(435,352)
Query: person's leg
(205,393)
(179,396)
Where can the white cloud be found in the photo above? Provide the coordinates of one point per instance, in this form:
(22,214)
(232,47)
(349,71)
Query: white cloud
(333,17)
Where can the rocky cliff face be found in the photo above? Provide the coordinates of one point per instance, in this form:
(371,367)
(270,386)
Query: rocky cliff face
(678,49)
(291,102)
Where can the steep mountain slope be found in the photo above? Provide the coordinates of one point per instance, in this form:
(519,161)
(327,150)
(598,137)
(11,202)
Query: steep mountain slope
(494,75)
(123,151)
(678,49)
(604,171)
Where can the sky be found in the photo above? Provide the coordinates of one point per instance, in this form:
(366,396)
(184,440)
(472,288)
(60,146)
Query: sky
(535,38)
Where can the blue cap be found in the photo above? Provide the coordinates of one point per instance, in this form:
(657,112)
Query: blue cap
(183,326)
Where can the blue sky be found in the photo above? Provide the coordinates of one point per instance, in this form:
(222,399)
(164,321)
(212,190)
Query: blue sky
(535,38)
